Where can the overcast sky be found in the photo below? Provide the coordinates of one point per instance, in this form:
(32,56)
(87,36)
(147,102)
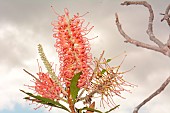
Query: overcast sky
(26,23)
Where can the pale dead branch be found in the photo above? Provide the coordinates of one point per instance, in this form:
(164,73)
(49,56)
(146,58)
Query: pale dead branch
(159,47)
(158,91)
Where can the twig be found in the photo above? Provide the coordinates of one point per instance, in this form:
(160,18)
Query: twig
(32,75)
(87,97)
(158,91)
(166,15)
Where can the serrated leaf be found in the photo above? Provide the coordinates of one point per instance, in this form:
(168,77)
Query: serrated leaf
(73,86)
(112,109)
(45,101)
(103,71)
(108,60)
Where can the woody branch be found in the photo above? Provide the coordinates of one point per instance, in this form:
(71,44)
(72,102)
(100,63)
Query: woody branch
(158,91)
(159,47)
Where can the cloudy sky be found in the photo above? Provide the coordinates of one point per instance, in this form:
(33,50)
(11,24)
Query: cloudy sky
(26,23)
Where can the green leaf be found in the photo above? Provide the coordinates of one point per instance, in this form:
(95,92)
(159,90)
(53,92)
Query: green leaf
(103,71)
(108,60)
(112,109)
(73,86)
(95,110)
(45,101)
(90,109)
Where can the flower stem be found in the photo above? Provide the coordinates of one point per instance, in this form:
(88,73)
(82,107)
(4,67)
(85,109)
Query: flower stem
(70,102)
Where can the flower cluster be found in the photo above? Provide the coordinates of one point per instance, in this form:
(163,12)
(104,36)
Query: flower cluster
(75,70)
(107,81)
(46,87)
(73,48)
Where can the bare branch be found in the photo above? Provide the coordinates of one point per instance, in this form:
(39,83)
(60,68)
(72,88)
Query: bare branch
(133,41)
(162,48)
(32,75)
(158,91)
(166,15)
(150,23)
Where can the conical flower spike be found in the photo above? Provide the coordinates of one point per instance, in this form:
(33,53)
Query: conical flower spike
(73,48)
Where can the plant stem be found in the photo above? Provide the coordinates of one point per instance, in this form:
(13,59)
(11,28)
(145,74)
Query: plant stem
(70,102)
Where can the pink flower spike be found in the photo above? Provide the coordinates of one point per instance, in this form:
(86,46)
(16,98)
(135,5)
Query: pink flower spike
(46,87)
(73,48)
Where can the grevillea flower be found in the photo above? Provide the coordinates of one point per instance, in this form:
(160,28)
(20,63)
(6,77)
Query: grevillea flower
(46,87)
(46,84)
(73,48)
(107,81)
